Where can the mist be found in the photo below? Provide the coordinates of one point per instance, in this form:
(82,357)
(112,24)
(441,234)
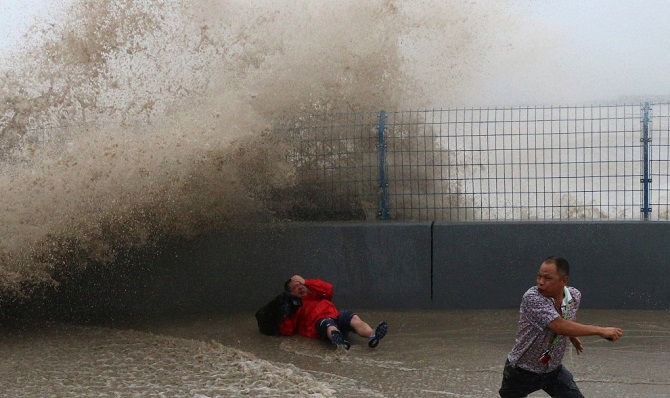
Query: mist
(126,123)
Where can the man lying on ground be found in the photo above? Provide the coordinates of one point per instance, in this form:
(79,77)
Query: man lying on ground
(311,313)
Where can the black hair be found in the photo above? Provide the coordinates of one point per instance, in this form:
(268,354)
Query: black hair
(287,286)
(562,265)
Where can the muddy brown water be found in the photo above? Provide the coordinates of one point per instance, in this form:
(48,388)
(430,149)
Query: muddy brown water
(425,354)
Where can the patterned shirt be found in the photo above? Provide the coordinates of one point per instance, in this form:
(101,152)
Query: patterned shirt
(534,337)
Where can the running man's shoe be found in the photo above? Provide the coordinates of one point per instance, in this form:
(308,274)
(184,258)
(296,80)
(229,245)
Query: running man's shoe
(380,332)
(339,340)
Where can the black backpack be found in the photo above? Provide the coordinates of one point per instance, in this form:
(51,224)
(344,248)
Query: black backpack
(271,314)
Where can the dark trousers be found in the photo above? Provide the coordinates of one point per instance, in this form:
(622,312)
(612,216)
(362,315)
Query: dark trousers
(342,323)
(518,382)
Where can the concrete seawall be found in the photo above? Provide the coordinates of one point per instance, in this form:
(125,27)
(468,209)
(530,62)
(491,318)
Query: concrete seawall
(490,265)
(419,265)
(389,265)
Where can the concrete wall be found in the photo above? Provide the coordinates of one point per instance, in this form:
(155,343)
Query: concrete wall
(390,265)
(490,265)
(371,265)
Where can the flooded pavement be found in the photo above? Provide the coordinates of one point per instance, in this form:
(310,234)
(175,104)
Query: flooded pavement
(452,353)
(425,354)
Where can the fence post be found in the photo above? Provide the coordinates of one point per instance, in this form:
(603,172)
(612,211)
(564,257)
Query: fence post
(646,181)
(383,184)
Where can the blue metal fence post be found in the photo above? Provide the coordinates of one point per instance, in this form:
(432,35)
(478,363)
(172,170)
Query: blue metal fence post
(646,181)
(383,184)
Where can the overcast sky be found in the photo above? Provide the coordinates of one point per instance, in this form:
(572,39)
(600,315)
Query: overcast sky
(569,51)
(586,50)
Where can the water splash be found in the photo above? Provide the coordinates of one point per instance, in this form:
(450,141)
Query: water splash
(130,121)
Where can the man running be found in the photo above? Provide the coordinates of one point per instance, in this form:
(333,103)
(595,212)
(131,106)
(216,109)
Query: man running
(546,322)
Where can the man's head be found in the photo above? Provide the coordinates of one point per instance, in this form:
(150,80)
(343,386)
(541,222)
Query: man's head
(295,288)
(553,276)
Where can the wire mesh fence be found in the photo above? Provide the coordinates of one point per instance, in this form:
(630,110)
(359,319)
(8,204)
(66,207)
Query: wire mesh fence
(524,163)
(518,163)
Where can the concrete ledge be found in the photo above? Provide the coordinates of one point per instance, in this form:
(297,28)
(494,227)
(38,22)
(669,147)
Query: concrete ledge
(371,265)
(490,265)
(377,265)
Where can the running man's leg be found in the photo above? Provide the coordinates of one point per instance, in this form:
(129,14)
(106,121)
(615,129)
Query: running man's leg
(564,385)
(518,383)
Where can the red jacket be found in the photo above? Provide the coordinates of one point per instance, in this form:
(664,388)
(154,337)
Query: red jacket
(315,305)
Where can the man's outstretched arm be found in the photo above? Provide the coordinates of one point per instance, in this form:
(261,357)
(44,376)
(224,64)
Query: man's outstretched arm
(574,329)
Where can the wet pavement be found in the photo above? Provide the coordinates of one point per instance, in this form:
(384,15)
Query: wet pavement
(446,353)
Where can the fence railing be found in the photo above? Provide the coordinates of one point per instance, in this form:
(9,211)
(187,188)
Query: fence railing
(520,163)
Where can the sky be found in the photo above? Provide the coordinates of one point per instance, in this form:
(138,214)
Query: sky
(585,50)
(565,51)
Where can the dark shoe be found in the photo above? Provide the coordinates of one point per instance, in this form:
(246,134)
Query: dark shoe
(380,332)
(339,340)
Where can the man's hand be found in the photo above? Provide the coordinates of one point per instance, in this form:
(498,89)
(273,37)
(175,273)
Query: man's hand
(299,279)
(611,334)
(577,343)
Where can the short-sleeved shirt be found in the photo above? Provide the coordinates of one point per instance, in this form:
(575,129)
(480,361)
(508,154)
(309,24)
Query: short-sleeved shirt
(534,336)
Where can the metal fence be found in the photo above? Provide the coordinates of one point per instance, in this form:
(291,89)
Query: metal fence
(520,163)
